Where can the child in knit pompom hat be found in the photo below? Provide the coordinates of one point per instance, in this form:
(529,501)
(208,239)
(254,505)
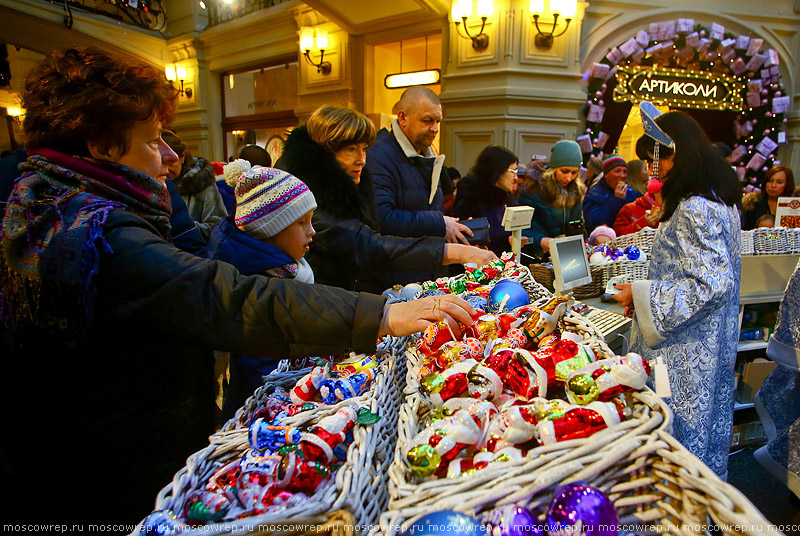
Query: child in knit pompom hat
(268,234)
(275,207)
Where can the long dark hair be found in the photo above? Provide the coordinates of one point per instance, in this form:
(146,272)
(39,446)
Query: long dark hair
(699,169)
(492,163)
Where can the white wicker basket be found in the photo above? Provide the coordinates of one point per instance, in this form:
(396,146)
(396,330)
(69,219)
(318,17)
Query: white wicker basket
(641,239)
(748,245)
(649,413)
(359,486)
(657,486)
(772,241)
(635,269)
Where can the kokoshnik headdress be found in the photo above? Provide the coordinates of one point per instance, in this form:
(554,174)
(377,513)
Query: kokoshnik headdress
(651,128)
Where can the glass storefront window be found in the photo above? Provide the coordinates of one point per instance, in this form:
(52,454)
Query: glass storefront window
(258,107)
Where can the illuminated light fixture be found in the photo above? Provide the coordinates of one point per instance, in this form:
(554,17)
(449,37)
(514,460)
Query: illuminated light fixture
(202,4)
(461,10)
(565,9)
(415,78)
(307,40)
(230,80)
(15,111)
(175,73)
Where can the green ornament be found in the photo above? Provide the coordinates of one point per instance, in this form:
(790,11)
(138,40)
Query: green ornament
(583,388)
(479,276)
(457,287)
(424,460)
(366,417)
(429,285)
(432,383)
(200,512)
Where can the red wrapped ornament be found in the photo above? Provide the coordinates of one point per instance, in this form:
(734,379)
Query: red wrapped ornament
(605,379)
(308,386)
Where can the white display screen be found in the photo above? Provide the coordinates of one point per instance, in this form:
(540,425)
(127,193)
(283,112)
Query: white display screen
(570,263)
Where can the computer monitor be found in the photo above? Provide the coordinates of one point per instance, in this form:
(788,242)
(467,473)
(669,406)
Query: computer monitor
(570,265)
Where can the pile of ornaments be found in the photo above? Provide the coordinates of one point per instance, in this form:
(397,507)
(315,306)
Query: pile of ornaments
(284,465)
(603,254)
(513,381)
(576,509)
(475,286)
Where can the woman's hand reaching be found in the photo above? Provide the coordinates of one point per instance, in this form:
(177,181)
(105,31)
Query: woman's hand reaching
(461,254)
(625,297)
(405,318)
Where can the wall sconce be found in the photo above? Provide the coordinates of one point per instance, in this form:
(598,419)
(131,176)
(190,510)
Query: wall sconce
(461,11)
(178,73)
(307,44)
(15,111)
(559,8)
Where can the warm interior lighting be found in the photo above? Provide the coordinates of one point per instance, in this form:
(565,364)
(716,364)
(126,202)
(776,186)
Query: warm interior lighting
(14,111)
(416,78)
(230,80)
(565,9)
(178,74)
(170,72)
(485,8)
(461,10)
(307,44)
(306,38)
(202,4)
(322,38)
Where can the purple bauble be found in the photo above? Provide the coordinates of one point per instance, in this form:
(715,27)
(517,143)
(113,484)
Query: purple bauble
(511,520)
(578,503)
(614,253)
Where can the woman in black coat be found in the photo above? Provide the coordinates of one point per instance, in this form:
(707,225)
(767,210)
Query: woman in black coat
(777,182)
(328,153)
(487,190)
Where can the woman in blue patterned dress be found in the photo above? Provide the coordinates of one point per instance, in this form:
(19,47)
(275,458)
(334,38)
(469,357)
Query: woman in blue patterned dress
(778,400)
(686,311)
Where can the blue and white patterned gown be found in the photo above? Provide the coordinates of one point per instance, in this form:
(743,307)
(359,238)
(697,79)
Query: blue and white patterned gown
(687,311)
(778,400)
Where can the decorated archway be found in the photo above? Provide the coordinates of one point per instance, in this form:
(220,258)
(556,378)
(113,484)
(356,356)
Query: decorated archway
(701,71)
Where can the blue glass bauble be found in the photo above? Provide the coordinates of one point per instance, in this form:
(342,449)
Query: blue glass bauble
(506,296)
(445,523)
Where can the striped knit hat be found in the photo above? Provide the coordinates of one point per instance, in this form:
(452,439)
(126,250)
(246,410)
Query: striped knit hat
(613,161)
(268,200)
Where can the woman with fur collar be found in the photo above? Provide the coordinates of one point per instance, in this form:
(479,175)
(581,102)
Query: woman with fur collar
(556,196)
(777,182)
(328,153)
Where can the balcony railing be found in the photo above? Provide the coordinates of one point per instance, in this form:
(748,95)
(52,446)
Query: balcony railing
(147,14)
(220,11)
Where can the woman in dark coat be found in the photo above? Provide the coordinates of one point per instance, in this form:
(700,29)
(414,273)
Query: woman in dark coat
(487,191)
(111,327)
(328,153)
(777,182)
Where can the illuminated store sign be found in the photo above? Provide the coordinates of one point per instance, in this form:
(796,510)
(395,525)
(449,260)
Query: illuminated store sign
(679,88)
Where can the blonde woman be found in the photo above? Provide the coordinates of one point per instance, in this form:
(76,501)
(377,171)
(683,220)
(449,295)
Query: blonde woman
(329,153)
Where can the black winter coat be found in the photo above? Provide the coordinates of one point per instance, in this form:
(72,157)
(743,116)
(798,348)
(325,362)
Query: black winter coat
(477,198)
(347,250)
(102,425)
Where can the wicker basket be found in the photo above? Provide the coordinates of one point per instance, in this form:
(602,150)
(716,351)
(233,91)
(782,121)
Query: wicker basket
(649,413)
(636,270)
(748,246)
(641,239)
(657,486)
(359,485)
(544,275)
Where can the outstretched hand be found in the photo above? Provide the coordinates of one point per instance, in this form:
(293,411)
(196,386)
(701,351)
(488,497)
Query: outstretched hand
(454,231)
(405,318)
(625,297)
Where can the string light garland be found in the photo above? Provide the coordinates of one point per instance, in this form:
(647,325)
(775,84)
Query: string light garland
(682,46)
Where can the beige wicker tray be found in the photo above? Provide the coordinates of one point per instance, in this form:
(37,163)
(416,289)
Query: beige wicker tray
(359,485)
(657,486)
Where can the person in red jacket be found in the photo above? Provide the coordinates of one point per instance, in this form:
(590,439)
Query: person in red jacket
(643,212)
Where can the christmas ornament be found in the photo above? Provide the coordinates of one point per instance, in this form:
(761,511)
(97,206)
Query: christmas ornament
(578,508)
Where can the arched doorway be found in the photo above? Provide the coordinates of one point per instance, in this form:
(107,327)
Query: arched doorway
(729,83)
